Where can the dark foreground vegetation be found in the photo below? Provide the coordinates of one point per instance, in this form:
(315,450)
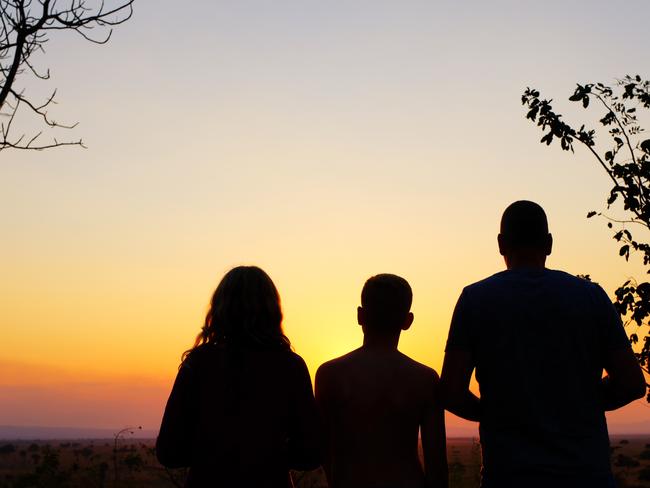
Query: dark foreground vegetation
(132,464)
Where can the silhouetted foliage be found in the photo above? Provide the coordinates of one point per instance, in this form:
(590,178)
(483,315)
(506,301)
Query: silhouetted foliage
(47,472)
(626,161)
(625,461)
(7,449)
(644,474)
(133,462)
(25,27)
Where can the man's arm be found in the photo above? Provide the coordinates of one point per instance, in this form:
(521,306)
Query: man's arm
(624,382)
(459,363)
(434,439)
(456,375)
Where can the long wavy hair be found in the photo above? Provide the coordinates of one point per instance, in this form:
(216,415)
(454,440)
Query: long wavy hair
(244,311)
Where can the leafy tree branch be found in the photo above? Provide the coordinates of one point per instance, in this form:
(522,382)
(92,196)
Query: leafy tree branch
(627,164)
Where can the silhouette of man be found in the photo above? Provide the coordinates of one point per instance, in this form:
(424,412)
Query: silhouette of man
(539,340)
(374,400)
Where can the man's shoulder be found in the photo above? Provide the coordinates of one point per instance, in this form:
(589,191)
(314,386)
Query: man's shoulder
(570,283)
(486,282)
(486,285)
(508,277)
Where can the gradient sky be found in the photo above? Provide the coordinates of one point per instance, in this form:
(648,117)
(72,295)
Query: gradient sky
(323,141)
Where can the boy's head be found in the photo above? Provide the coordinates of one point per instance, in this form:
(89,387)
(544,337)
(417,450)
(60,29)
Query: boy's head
(385,304)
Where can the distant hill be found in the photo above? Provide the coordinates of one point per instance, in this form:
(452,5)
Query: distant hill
(12,432)
(454,430)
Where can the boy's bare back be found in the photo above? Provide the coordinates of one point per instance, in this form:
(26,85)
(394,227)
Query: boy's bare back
(373,402)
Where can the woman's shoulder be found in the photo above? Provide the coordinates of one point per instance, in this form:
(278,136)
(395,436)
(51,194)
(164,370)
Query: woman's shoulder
(200,354)
(296,359)
(287,360)
(282,355)
(207,353)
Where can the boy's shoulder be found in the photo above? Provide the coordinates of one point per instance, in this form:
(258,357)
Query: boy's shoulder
(341,362)
(419,368)
(341,365)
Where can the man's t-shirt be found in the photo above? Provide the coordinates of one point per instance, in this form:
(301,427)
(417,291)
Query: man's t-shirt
(538,339)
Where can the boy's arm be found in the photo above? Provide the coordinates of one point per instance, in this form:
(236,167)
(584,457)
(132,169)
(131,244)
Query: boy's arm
(434,440)
(321,393)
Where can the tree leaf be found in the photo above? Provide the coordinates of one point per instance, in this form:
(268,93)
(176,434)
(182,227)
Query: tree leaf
(624,251)
(548,138)
(645,146)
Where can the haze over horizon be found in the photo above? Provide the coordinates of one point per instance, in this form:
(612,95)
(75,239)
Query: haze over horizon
(323,142)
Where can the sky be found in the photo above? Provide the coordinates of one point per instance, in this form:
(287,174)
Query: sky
(323,141)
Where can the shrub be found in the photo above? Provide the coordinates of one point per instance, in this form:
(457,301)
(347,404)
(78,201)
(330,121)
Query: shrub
(624,461)
(644,474)
(7,449)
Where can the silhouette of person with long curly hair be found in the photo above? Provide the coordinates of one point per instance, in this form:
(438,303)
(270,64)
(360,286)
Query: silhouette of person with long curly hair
(241,412)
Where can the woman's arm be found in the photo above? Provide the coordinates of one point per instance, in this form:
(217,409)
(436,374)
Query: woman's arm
(434,439)
(304,432)
(173,446)
(321,394)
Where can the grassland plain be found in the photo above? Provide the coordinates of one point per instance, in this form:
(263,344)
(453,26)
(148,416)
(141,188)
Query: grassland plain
(130,463)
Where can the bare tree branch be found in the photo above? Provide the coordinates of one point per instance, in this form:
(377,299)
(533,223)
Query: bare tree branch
(24,30)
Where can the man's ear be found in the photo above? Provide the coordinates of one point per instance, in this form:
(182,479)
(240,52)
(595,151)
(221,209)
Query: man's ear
(502,244)
(549,244)
(408,321)
(361,316)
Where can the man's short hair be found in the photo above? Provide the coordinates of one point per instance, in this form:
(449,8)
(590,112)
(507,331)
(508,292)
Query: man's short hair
(524,224)
(386,300)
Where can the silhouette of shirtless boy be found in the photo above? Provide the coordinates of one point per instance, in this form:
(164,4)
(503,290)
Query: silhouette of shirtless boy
(374,400)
